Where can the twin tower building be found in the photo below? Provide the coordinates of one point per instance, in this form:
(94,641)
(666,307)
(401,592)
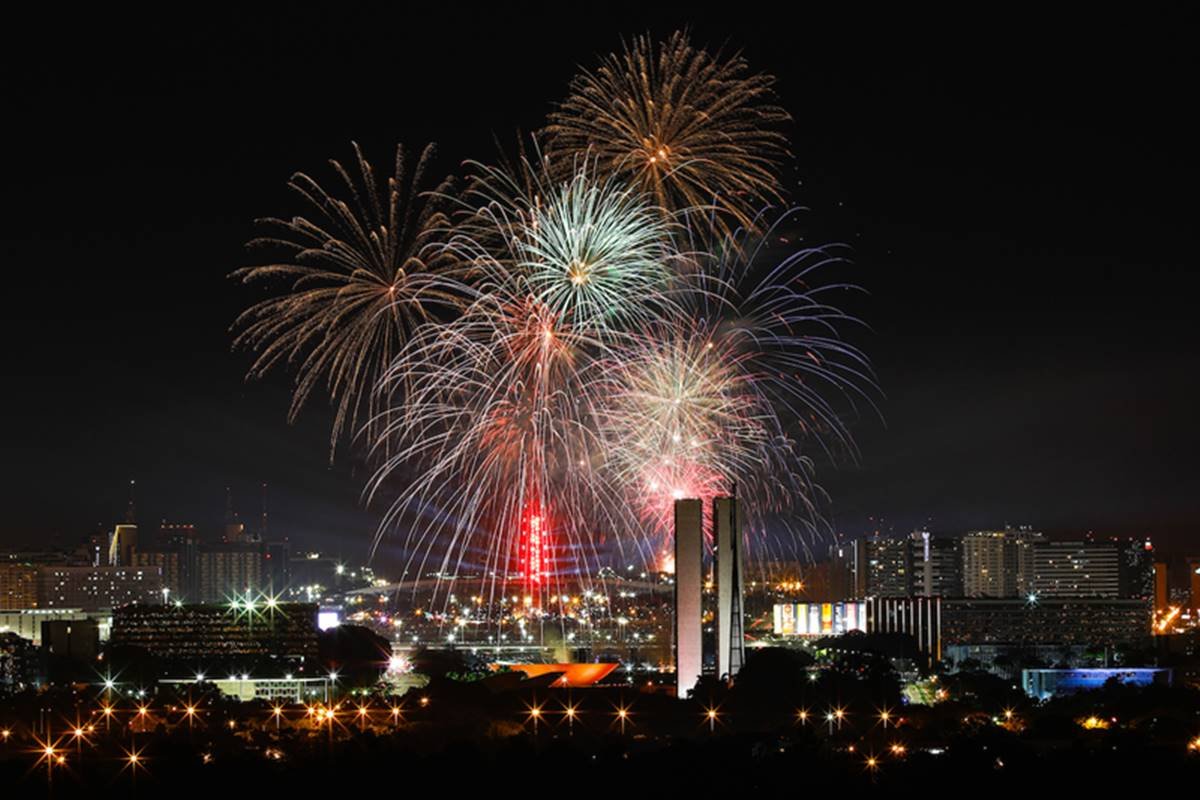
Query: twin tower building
(690,596)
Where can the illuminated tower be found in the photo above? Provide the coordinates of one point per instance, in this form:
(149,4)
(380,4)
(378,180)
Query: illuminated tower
(689,554)
(534,546)
(727,539)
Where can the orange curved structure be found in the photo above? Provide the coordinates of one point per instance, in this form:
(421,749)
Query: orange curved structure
(572,674)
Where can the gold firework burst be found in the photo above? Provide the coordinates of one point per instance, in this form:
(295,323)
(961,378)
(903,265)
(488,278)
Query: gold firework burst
(689,128)
(354,279)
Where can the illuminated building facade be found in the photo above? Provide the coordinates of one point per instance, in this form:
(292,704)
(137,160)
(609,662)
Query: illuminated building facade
(1050,621)
(999,563)
(121,545)
(225,569)
(18,585)
(98,588)
(200,633)
(689,584)
(1076,569)
(1042,684)
(919,617)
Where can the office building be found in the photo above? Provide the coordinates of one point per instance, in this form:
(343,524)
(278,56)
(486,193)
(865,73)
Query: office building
(1137,568)
(888,563)
(689,582)
(18,585)
(1076,569)
(999,563)
(213,634)
(121,545)
(226,569)
(727,541)
(936,565)
(98,588)
(1050,621)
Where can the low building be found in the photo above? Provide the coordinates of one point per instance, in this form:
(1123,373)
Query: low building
(1042,684)
(285,689)
(216,633)
(78,639)
(27,622)
(1095,622)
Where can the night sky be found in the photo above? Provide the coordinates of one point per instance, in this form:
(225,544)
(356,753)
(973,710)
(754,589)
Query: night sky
(1020,199)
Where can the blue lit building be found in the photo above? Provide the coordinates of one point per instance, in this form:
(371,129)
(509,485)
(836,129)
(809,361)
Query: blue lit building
(1042,684)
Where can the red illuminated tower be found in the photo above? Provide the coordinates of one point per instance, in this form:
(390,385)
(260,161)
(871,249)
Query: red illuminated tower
(534,547)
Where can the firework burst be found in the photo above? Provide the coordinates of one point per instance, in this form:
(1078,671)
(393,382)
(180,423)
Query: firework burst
(358,276)
(592,251)
(686,127)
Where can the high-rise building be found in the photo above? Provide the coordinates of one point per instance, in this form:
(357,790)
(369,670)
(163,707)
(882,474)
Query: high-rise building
(889,571)
(727,540)
(174,550)
(937,565)
(689,582)
(999,563)
(18,585)
(170,563)
(97,588)
(278,567)
(226,569)
(989,565)
(1136,567)
(1162,594)
(1076,569)
(121,545)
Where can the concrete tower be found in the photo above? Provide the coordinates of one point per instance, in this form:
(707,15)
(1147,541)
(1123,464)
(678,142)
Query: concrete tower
(727,538)
(689,581)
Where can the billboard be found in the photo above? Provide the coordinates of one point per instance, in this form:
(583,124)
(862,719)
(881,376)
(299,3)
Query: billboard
(819,619)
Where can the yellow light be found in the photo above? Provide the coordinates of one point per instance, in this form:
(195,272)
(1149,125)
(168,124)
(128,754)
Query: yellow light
(712,713)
